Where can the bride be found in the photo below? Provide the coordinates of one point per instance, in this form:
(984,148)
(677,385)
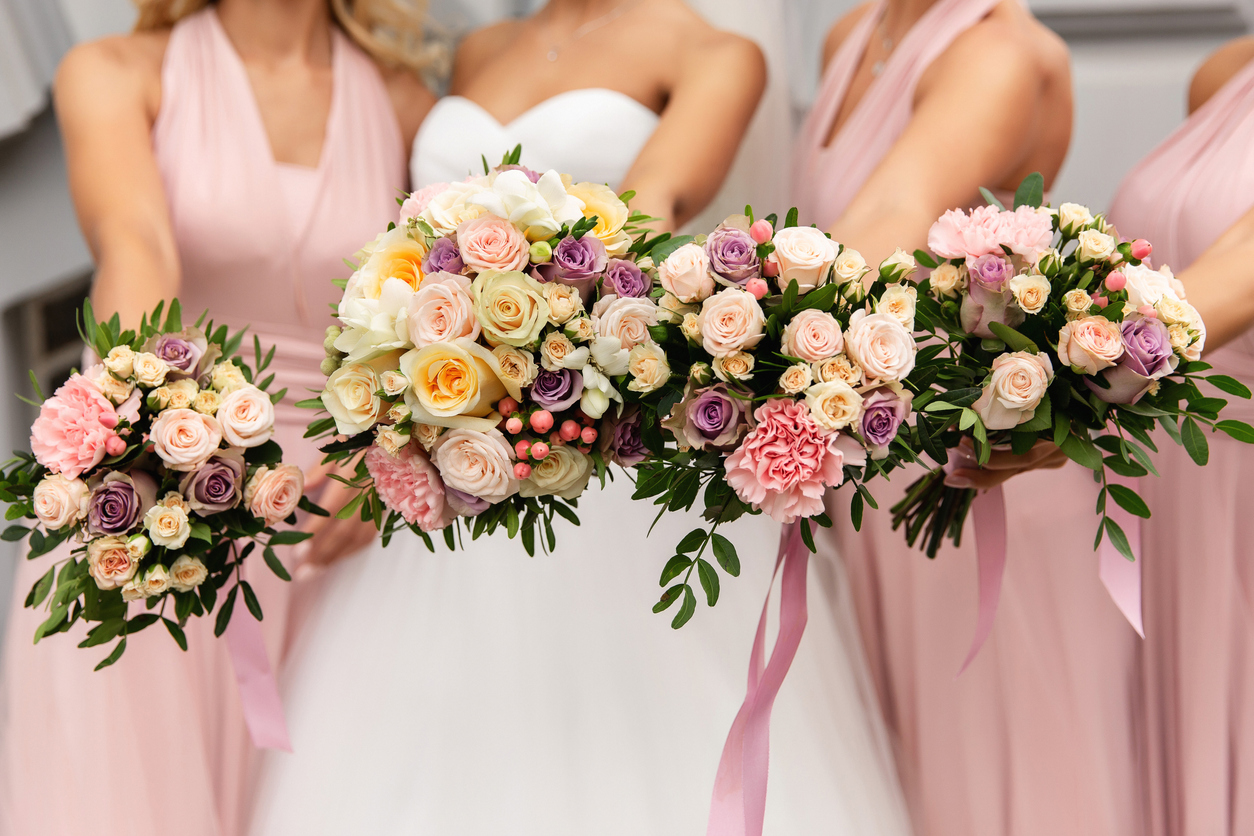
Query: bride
(483,692)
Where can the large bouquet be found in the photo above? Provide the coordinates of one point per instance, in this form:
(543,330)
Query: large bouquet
(1061,333)
(799,376)
(158,461)
(493,350)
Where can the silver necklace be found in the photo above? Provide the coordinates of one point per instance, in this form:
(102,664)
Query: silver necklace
(877,69)
(613,14)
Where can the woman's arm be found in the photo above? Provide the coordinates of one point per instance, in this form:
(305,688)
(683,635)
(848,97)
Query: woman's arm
(1220,283)
(684,163)
(107,94)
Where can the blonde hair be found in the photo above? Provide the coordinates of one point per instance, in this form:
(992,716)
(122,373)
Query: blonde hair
(394,32)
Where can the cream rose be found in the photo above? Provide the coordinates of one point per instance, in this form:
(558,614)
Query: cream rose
(804,255)
(1090,344)
(948,280)
(272,495)
(1173,311)
(564,302)
(1031,291)
(110,562)
(187,573)
(839,367)
(181,394)
(150,370)
(133,590)
(492,243)
(626,318)
(115,390)
(476,463)
(691,328)
(156,581)
(898,265)
(184,439)
(1095,246)
(834,404)
(812,335)
(563,472)
(426,435)
(121,361)
(880,345)
(351,397)
(59,502)
(670,309)
(599,201)
(518,366)
(442,310)
(393,382)
(174,499)
(167,527)
(730,368)
(397,412)
(396,255)
(247,417)
(1149,287)
(558,352)
(796,378)
(207,402)
(391,440)
(581,329)
(456,384)
(899,301)
(510,306)
(648,368)
(1014,390)
(1072,217)
(731,320)
(451,208)
(226,377)
(1077,303)
(685,274)
(849,266)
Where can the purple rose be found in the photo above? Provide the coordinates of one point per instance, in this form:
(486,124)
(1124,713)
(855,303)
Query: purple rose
(883,412)
(444,257)
(620,440)
(118,502)
(556,391)
(733,254)
(464,504)
(577,262)
(184,352)
(1147,356)
(991,272)
(988,299)
(216,485)
(533,176)
(624,278)
(709,419)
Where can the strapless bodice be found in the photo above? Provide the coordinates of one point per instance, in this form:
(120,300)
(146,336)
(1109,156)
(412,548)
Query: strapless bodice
(593,134)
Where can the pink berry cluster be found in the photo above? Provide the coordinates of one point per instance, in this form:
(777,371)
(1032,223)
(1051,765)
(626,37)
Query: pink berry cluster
(540,423)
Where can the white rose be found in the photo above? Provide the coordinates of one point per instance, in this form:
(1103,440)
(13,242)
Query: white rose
(563,472)
(850,266)
(187,573)
(1095,246)
(558,352)
(804,255)
(648,368)
(1149,287)
(150,370)
(121,361)
(899,302)
(834,404)
(685,274)
(880,345)
(564,302)
(227,377)
(476,463)
(538,209)
(518,365)
(796,378)
(59,502)
(839,367)
(730,368)
(167,527)
(948,280)
(1031,292)
(451,208)
(247,417)
(1072,217)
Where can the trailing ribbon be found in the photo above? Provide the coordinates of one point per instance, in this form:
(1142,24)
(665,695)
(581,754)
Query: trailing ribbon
(989,509)
(1121,576)
(258,691)
(738,806)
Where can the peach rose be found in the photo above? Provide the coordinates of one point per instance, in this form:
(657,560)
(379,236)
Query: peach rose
(272,495)
(167,527)
(796,378)
(247,417)
(804,255)
(732,367)
(110,562)
(812,335)
(626,318)
(834,404)
(1090,344)
(477,463)
(558,352)
(1014,390)
(518,366)
(899,301)
(731,320)
(948,280)
(564,302)
(351,397)
(187,573)
(456,384)
(185,439)
(839,367)
(492,243)
(563,472)
(1031,292)
(59,501)
(396,255)
(881,345)
(442,310)
(685,274)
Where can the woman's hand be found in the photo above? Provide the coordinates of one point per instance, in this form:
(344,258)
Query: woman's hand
(1002,464)
(334,539)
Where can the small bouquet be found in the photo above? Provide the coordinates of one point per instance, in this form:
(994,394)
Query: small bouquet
(158,462)
(493,350)
(798,378)
(1061,333)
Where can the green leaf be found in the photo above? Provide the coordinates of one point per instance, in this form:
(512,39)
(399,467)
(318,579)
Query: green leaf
(346,513)
(1123,467)
(1238,430)
(725,554)
(674,567)
(276,565)
(1031,191)
(224,614)
(104,631)
(288,538)
(14,533)
(566,513)
(118,650)
(1012,338)
(1118,538)
(1062,427)
(709,581)
(268,453)
(1129,501)
(669,597)
(176,632)
(821,299)
(1042,419)
(42,587)
(991,199)
(856,508)
(1228,384)
(1081,451)
(1194,441)
(686,609)
(201,531)
(925,258)
(174,319)
(791,218)
(968,419)
(250,600)
(692,541)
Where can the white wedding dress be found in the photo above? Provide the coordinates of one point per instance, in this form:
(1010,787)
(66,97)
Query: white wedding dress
(486,693)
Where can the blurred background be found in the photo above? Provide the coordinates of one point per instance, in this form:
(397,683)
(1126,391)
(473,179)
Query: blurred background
(1132,63)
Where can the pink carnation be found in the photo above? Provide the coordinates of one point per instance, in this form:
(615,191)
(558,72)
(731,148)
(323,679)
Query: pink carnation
(959,235)
(75,429)
(1026,232)
(409,484)
(417,202)
(787,462)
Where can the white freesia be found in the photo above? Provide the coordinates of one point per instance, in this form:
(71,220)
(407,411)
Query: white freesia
(598,392)
(452,207)
(610,356)
(374,326)
(538,209)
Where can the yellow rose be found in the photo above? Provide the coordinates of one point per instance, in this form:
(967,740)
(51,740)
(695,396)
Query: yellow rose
(456,384)
(611,214)
(510,307)
(396,255)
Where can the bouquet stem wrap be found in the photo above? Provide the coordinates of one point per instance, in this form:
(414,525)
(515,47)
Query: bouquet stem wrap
(739,803)
(258,691)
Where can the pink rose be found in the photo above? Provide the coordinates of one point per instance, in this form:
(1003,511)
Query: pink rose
(803,254)
(246,417)
(59,501)
(74,428)
(1026,232)
(492,243)
(788,461)
(959,235)
(442,310)
(1090,344)
(110,562)
(813,335)
(1018,383)
(185,439)
(685,274)
(475,463)
(881,345)
(272,495)
(730,321)
(626,318)
(416,203)
(409,484)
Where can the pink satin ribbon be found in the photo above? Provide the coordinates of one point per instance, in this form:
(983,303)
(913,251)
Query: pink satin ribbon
(738,806)
(1122,577)
(258,691)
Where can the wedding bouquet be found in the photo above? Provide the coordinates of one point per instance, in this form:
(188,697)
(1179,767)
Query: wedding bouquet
(1061,333)
(798,378)
(493,349)
(158,461)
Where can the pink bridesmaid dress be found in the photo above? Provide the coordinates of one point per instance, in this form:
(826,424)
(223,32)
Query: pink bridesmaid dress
(1038,735)
(156,745)
(1198,570)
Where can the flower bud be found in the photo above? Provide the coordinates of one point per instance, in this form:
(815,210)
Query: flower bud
(328,341)
(541,252)
(700,373)
(329,365)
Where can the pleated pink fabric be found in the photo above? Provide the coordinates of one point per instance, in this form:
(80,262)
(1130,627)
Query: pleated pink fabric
(156,745)
(1037,737)
(1198,571)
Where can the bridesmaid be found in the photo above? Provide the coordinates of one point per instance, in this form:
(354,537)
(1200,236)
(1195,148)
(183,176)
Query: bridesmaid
(1198,569)
(921,104)
(232,157)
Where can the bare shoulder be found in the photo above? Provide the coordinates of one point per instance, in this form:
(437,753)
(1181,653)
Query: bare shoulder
(411,99)
(1218,69)
(479,45)
(841,29)
(119,71)
(704,49)
(1009,47)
